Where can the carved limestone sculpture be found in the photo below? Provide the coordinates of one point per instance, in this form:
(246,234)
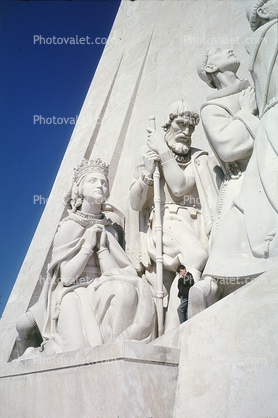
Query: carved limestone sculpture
(246,244)
(188,190)
(230,125)
(260,187)
(92,295)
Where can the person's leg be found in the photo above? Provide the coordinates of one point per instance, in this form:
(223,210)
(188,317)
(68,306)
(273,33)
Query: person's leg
(182,310)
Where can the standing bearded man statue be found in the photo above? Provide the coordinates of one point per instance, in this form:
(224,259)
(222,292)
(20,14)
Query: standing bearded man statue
(188,190)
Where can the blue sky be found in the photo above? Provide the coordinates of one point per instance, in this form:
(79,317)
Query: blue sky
(40,81)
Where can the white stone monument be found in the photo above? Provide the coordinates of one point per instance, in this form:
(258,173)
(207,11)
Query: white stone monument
(223,361)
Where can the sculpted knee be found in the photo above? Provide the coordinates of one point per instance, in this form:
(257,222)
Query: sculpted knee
(126,293)
(204,286)
(203,257)
(213,293)
(25,327)
(213,286)
(199,257)
(119,293)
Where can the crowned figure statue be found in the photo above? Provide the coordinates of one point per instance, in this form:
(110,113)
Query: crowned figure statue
(92,294)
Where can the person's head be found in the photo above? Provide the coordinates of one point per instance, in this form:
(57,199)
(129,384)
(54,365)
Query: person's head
(179,125)
(90,183)
(216,61)
(181,270)
(260,12)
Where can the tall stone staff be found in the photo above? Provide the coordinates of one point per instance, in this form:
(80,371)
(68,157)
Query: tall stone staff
(158,234)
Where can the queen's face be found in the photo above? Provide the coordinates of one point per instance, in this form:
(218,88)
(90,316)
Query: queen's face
(95,188)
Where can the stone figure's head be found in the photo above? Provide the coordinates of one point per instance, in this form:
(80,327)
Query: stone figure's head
(215,61)
(179,125)
(90,182)
(260,12)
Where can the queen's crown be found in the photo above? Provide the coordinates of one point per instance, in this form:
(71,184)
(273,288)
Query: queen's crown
(93,166)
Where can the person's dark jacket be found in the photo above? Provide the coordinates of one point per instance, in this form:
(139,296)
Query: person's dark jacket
(184,284)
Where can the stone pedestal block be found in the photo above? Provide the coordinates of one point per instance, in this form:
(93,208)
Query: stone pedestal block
(119,380)
(229,356)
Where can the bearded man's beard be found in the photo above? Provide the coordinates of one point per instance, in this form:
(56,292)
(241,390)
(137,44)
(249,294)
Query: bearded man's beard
(177,146)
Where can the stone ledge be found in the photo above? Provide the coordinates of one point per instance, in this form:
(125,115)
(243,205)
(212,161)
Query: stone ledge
(122,350)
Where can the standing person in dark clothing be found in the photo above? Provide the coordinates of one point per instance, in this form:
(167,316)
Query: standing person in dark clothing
(185,282)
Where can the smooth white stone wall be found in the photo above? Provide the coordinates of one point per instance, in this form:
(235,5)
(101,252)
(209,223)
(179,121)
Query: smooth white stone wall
(229,356)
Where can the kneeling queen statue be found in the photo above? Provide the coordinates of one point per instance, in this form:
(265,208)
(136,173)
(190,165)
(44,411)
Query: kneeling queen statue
(92,294)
